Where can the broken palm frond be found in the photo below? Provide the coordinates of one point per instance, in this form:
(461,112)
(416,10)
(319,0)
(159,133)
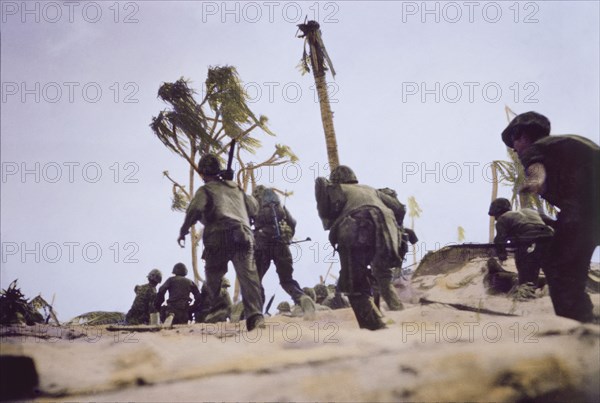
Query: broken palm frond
(40,303)
(318,56)
(98,318)
(15,308)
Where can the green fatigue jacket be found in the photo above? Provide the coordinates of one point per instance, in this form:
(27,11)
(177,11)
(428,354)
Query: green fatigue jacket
(337,201)
(218,205)
(572,166)
(264,224)
(143,305)
(520,227)
(179,288)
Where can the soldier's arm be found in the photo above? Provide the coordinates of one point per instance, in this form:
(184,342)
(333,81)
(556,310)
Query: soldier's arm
(393,204)
(535,177)
(324,204)
(160,295)
(500,239)
(195,212)
(251,207)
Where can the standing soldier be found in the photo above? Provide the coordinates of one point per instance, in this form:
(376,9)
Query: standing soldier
(274,228)
(179,288)
(523,229)
(143,304)
(364,232)
(225,211)
(565,171)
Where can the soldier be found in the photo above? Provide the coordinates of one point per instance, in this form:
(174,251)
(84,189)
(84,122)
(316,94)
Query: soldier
(143,304)
(274,228)
(225,211)
(364,232)
(336,300)
(321,293)
(179,288)
(525,229)
(565,171)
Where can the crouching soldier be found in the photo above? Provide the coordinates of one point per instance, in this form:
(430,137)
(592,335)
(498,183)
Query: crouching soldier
(179,288)
(526,230)
(364,232)
(143,304)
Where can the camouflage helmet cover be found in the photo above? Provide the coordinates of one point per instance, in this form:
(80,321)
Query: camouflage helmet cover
(180,270)
(209,164)
(534,124)
(155,275)
(499,206)
(343,174)
(321,291)
(284,307)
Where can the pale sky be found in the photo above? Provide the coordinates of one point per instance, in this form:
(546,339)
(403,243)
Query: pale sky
(418,105)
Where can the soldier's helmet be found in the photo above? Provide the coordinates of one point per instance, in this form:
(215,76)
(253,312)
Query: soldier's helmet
(225,283)
(155,275)
(499,206)
(343,174)
(258,191)
(321,291)
(310,292)
(536,125)
(284,307)
(209,164)
(389,192)
(180,270)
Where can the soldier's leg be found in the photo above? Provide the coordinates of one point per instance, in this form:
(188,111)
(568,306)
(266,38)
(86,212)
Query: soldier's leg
(356,243)
(215,269)
(386,289)
(263,257)
(566,267)
(527,265)
(245,268)
(282,257)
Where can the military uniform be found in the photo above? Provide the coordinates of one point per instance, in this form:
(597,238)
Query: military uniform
(572,175)
(274,228)
(225,211)
(364,231)
(143,304)
(524,228)
(179,288)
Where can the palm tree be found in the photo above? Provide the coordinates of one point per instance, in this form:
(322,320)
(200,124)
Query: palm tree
(414,211)
(318,59)
(191,129)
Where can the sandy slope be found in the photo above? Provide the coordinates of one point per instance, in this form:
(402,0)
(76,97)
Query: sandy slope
(429,352)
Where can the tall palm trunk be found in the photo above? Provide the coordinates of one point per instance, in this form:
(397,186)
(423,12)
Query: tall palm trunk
(494,197)
(327,119)
(194,235)
(318,58)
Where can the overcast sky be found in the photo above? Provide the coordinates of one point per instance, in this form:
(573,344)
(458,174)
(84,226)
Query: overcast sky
(418,105)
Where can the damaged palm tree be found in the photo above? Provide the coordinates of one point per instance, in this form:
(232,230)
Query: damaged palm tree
(16,309)
(317,59)
(192,129)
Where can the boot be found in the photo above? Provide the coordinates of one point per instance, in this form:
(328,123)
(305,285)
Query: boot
(308,307)
(388,292)
(367,314)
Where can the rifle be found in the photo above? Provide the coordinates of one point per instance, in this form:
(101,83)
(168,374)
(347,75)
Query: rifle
(227,174)
(269,305)
(277,228)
